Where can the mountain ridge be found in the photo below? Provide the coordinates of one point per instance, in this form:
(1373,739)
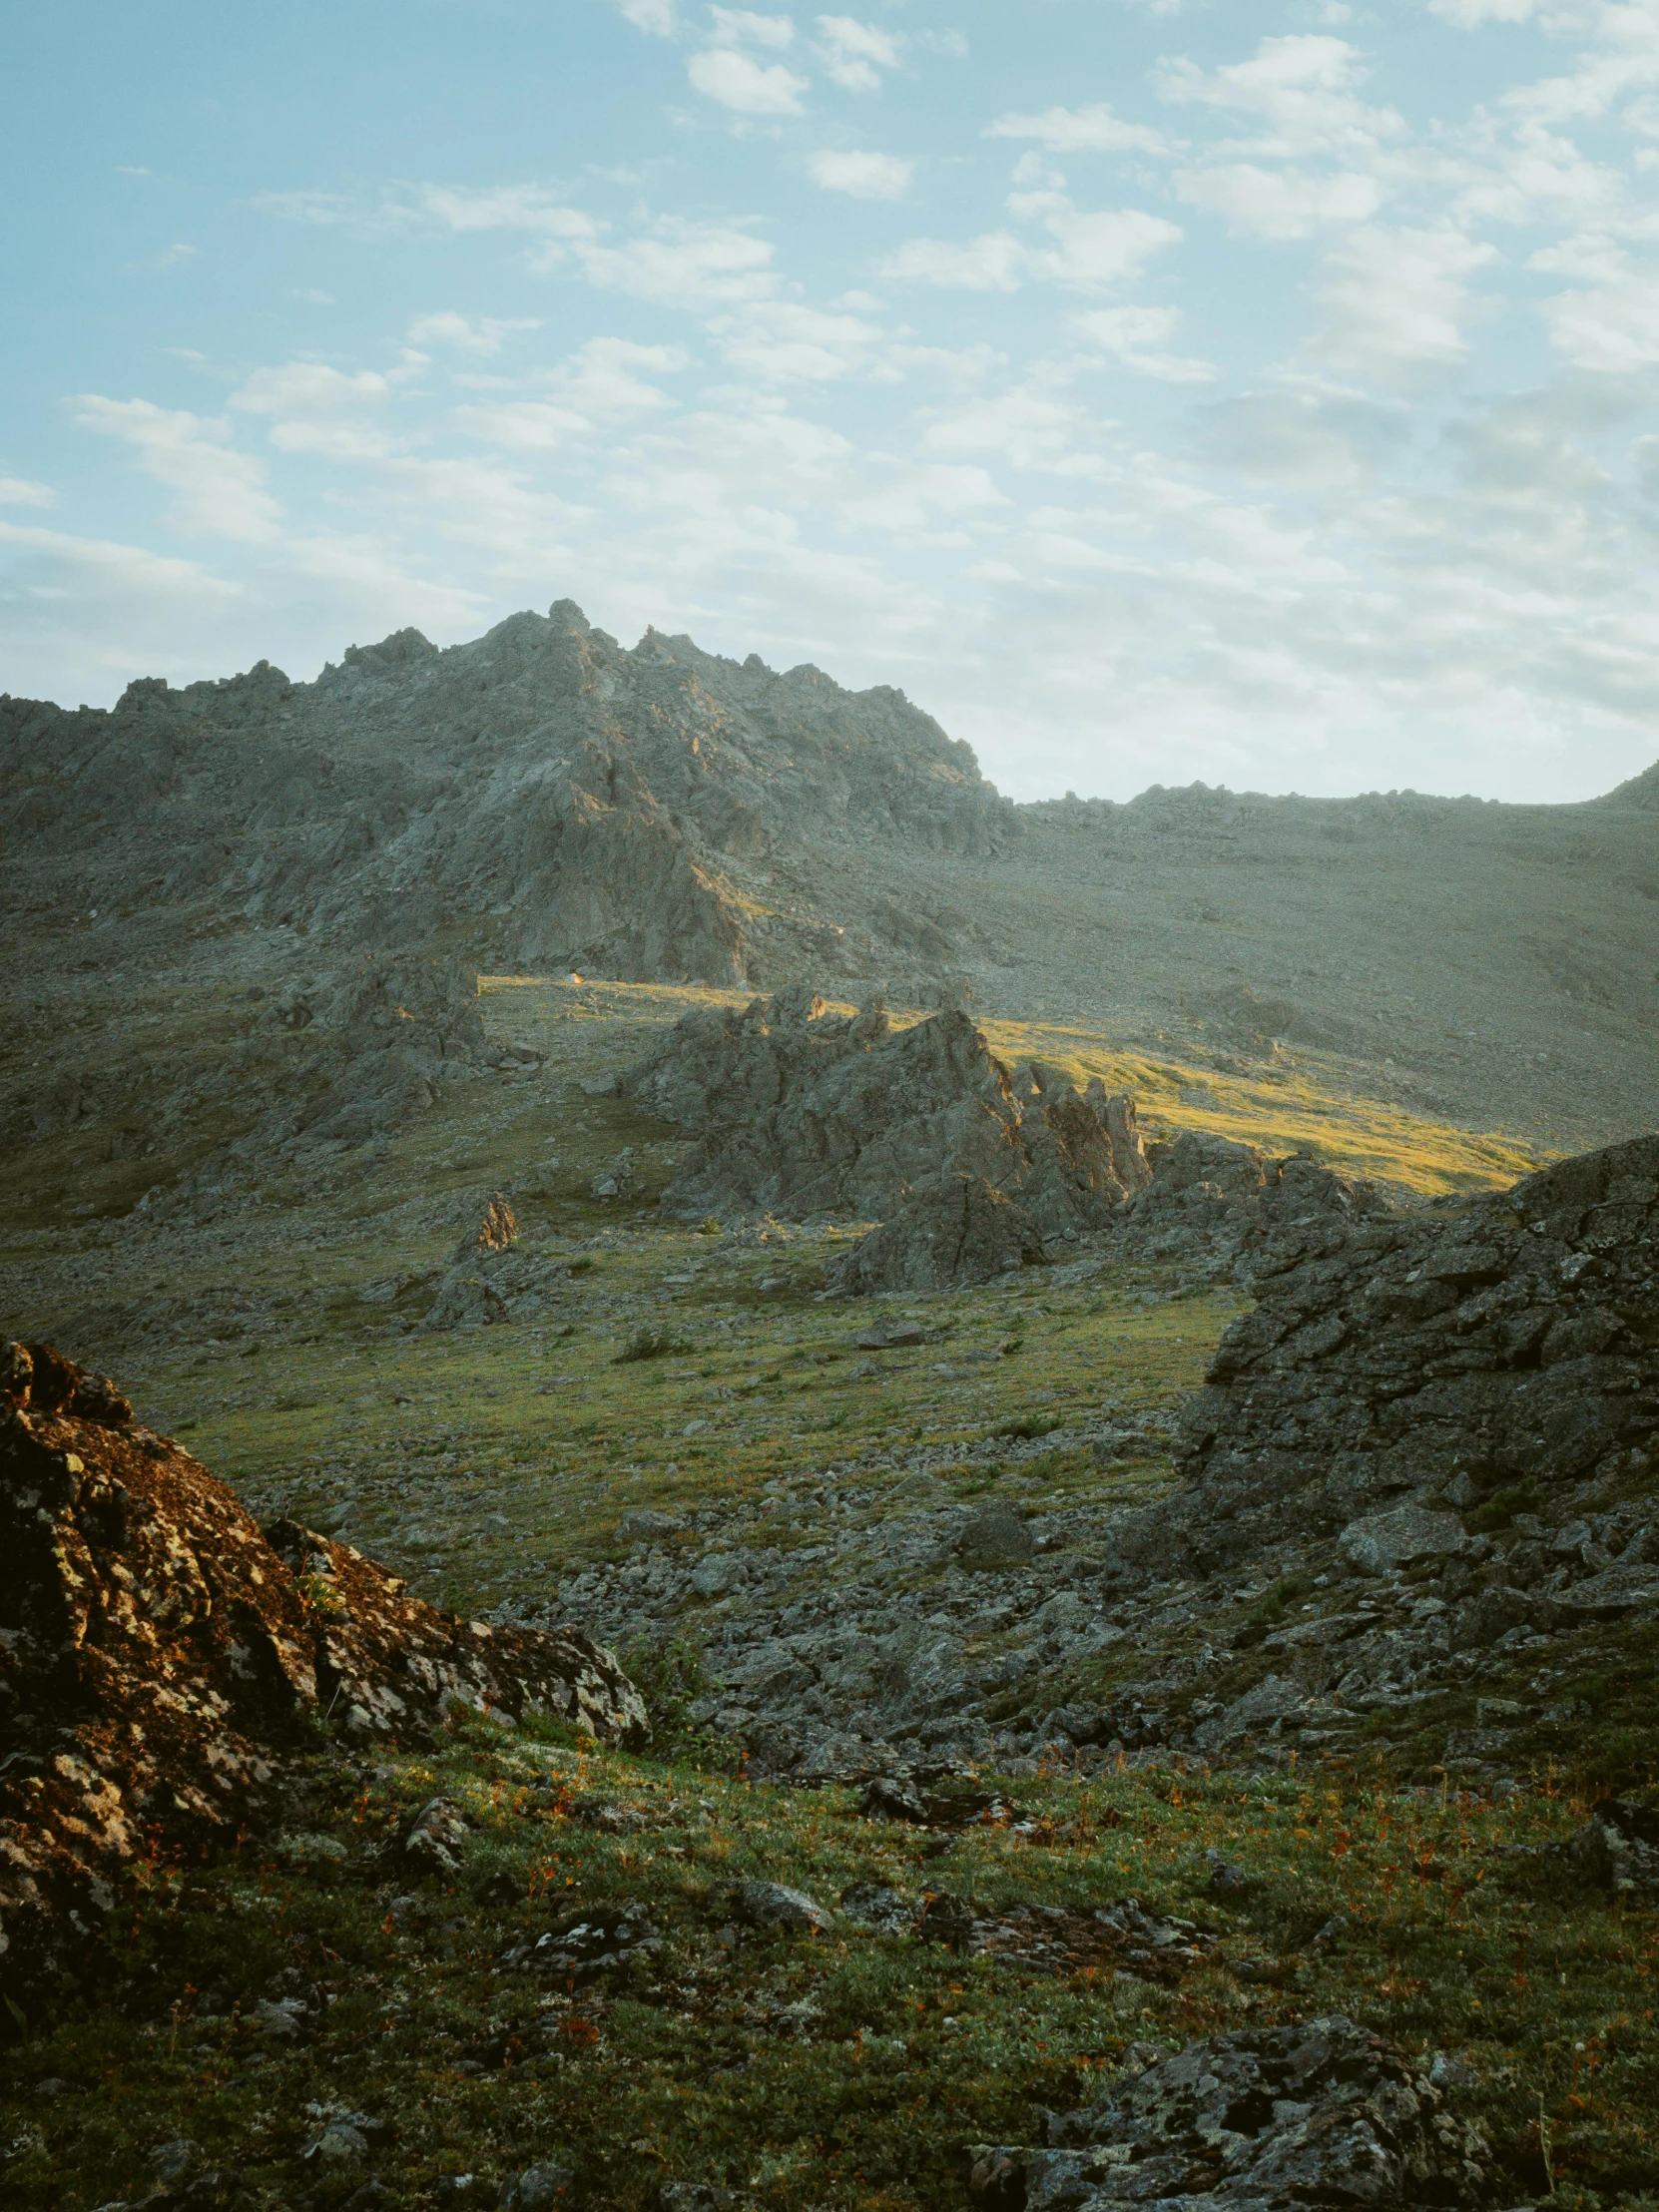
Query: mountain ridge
(544,800)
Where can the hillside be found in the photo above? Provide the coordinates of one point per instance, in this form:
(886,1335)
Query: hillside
(542,800)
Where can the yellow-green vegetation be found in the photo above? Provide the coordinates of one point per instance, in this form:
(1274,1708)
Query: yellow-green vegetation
(1297,1103)
(281,1338)
(847,2069)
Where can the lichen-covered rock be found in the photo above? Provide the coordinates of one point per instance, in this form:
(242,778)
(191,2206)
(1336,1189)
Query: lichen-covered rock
(1324,2113)
(948,1230)
(160,1654)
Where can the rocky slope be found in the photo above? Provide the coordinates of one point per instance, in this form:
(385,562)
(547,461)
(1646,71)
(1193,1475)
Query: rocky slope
(539,794)
(1439,1432)
(160,1656)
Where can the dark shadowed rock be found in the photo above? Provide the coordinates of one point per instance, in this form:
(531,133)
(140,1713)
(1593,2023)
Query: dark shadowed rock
(793,1110)
(1320,2114)
(1397,1371)
(1620,1845)
(160,1655)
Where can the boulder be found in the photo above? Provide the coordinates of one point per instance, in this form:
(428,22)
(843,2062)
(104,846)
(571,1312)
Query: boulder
(160,1655)
(774,1904)
(1323,2113)
(1506,1344)
(995,1537)
(1380,1541)
(1620,1845)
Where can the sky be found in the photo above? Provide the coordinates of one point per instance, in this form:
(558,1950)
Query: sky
(1152,389)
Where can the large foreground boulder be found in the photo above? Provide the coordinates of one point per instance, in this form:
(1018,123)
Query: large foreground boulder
(1403,1383)
(160,1655)
(1324,2113)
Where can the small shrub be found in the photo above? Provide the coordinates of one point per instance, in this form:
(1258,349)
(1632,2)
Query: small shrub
(1272,1606)
(1026,1428)
(648,1344)
(1503,1508)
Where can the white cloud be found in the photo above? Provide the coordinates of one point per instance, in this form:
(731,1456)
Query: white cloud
(1397,300)
(1279,204)
(683,264)
(218,491)
(505,207)
(1469,14)
(1088,250)
(19,491)
(1609,324)
(1091,250)
(781,341)
(746,86)
(1302,88)
(654,17)
(1134,337)
(856,53)
(1623,58)
(993,261)
(317,409)
(740,27)
(1318,440)
(1030,427)
(1092,130)
(603,384)
(866,176)
(485,337)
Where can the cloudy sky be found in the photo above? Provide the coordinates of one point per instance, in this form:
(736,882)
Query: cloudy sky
(1152,388)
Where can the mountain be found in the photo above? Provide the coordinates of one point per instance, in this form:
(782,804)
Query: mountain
(542,800)
(540,795)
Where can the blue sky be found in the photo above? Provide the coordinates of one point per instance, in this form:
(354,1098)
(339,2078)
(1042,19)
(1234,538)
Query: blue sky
(1152,388)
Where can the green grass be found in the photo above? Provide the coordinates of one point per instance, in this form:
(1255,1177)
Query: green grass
(849,2070)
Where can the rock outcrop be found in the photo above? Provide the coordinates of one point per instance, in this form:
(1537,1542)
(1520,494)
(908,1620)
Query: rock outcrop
(1215,1204)
(160,1655)
(619,791)
(1324,2113)
(793,1110)
(1500,1350)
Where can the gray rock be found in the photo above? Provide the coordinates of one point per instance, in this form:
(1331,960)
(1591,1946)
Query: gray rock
(773,1904)
(1272,1700)
(1324,2113)
(873,1905)
(341,2144)
(1619,1843)
(793,1109)
(995,1537)
(436,1838)
(1388,1357)
(1380,1541)
(536,2189)
(889,1335)
(719,1571)
(171,2162)
(643,1520)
